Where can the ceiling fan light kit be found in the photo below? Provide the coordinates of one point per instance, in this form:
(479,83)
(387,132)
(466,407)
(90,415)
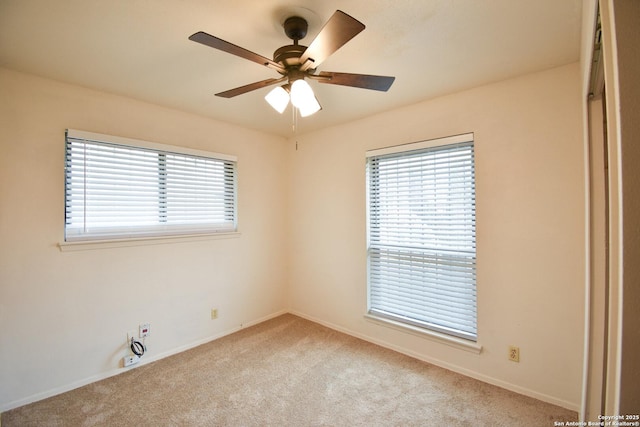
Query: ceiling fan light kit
(295,62)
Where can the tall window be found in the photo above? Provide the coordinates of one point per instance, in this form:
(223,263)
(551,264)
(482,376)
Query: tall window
(122,188)
(422,235)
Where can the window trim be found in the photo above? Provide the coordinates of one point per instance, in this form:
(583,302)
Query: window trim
(139,143)
(145,237)
(450,340)
(414,146)
(438,334)
(86,245)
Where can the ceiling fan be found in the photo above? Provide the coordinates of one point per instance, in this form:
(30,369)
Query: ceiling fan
(295,62)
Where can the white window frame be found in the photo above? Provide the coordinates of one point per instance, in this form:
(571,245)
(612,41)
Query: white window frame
(462,337)
(80,235)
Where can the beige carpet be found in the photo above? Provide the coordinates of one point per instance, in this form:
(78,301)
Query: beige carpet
(288,372)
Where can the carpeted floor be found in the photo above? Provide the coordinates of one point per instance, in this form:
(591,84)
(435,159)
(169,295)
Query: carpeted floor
(288,372)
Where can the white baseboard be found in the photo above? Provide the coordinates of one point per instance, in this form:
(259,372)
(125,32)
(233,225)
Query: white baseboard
(146,360)
(481,377)
(464,371)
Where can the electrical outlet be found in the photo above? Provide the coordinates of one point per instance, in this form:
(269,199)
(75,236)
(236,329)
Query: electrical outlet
(130,360)
(214,313)
(514,353)
(145,330)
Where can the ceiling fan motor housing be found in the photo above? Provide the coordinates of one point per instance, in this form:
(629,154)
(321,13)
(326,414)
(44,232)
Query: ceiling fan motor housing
(289,56)
(295,28)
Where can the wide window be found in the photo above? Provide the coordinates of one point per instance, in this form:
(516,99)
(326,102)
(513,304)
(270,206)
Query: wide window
(422,235)
(123,188)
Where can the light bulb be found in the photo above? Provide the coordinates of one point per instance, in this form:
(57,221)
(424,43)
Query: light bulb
(278,98)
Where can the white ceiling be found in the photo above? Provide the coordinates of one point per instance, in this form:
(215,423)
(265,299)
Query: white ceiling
(139,49)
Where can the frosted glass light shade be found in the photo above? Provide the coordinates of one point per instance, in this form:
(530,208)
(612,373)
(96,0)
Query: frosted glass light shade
(278,98)
(312,107)
(302,97)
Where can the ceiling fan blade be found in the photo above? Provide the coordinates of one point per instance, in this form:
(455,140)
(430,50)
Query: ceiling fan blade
(338,30)
(364,81)
(225,46)
(248,88)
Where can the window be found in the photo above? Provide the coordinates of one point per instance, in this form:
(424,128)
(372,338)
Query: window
(421,235)
(122,188)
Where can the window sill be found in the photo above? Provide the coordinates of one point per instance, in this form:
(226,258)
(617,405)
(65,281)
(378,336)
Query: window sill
(141,241)
(459,343)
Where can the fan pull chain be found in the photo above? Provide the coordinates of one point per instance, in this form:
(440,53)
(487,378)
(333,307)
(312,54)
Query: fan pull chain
(294,123)
(293,119)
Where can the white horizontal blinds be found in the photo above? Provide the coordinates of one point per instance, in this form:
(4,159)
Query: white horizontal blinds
(117,191)
(422,238)
(198,191)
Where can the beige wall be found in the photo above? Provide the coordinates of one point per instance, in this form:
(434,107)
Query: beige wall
(302,218)
(64,315)
(530,228)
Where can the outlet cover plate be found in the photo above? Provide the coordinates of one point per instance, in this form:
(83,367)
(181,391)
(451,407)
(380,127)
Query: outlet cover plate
(145,330)
(130,360)
(514,353)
